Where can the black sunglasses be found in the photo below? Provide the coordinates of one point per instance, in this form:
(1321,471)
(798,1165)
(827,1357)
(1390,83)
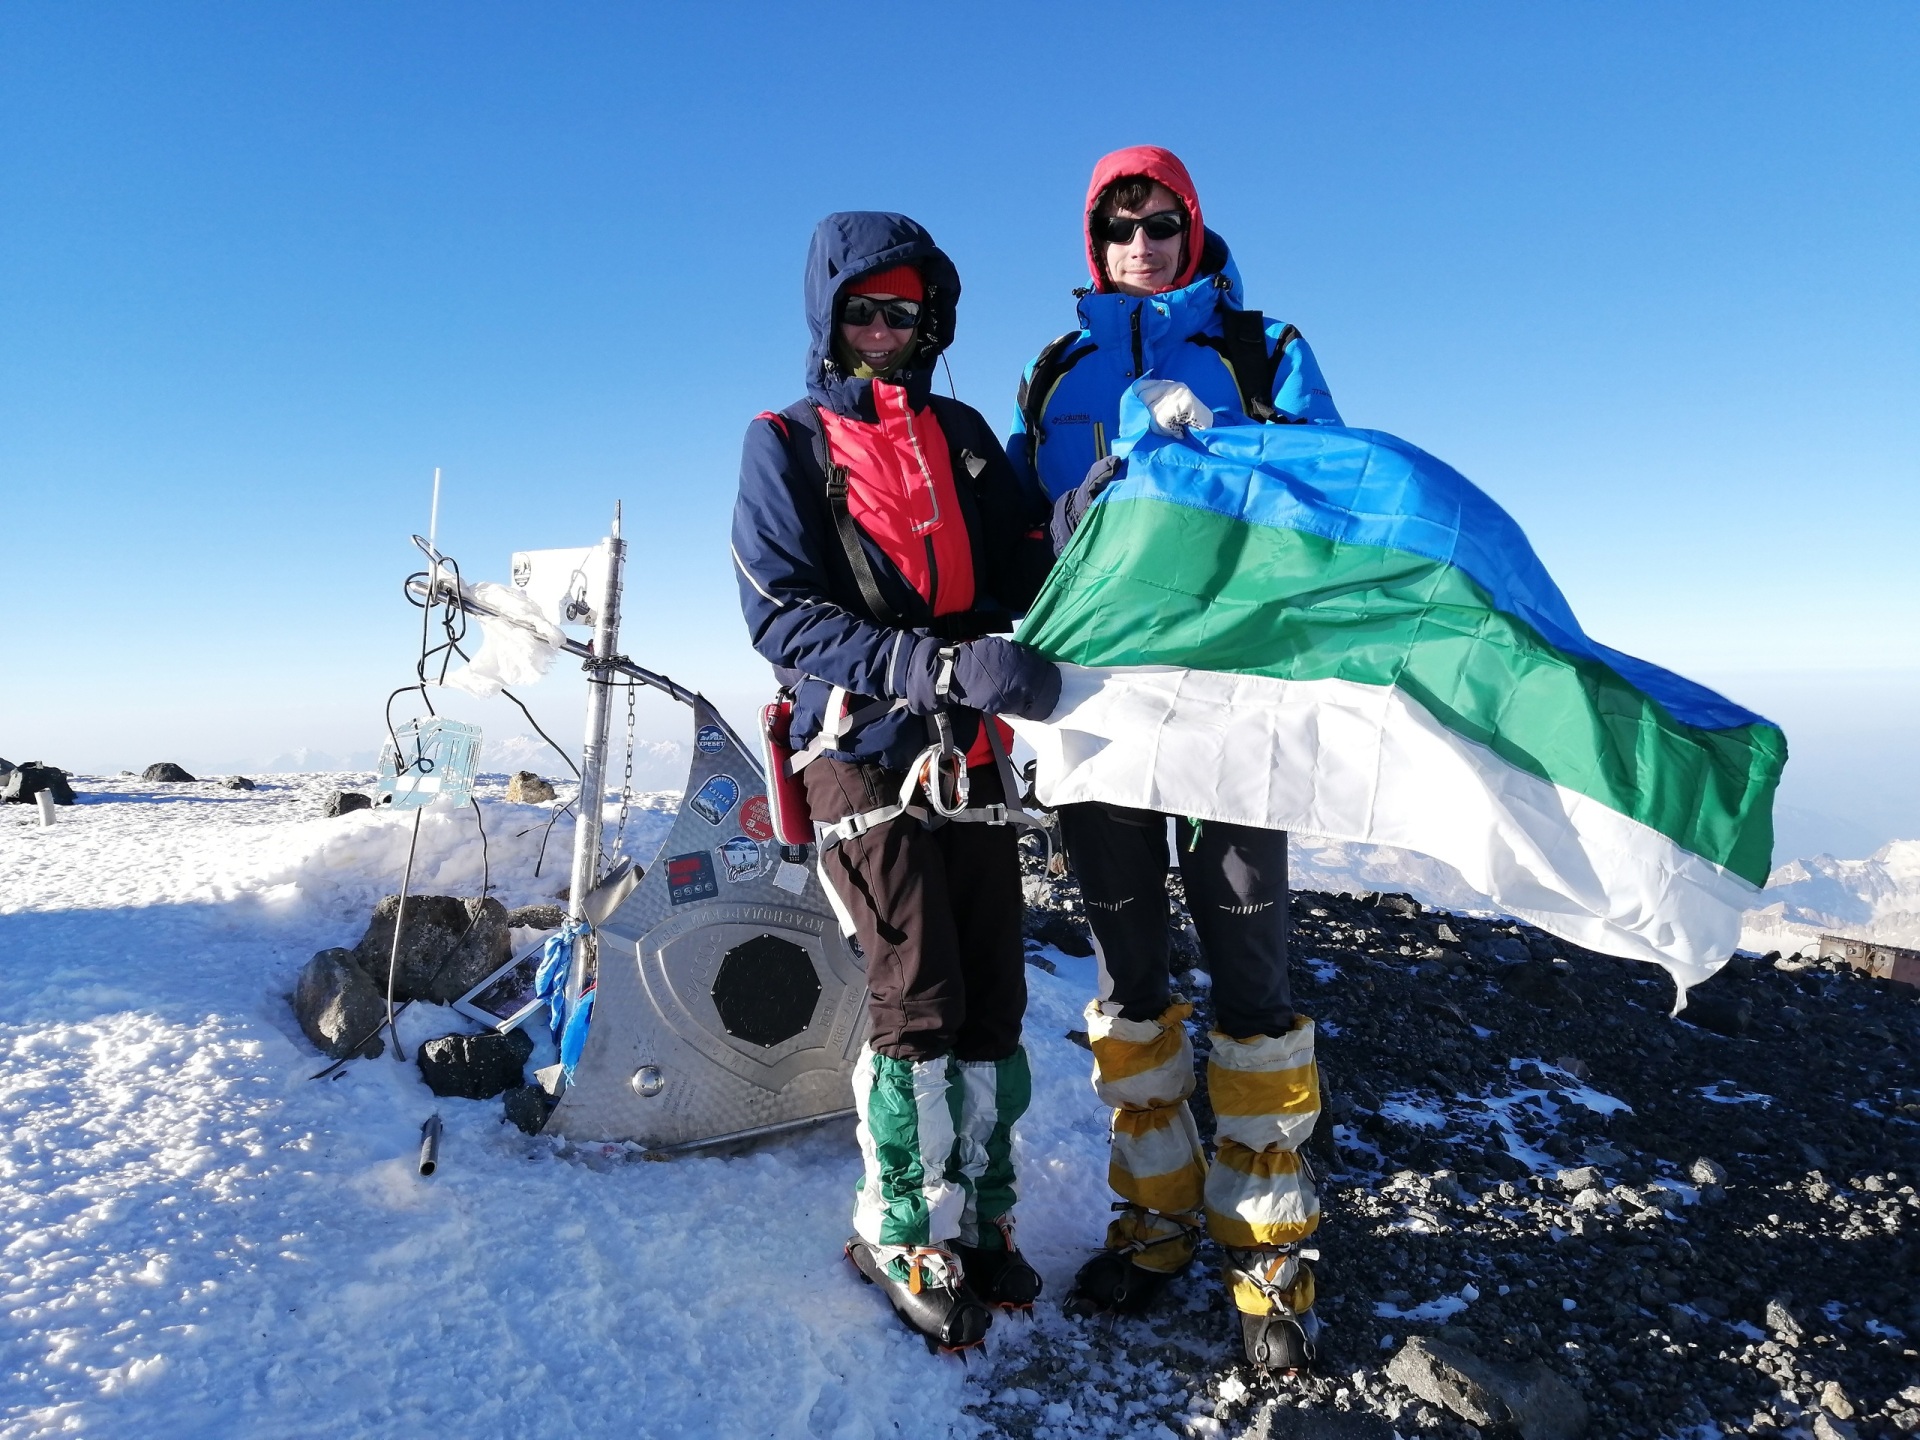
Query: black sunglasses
(1161,225)
(899,314)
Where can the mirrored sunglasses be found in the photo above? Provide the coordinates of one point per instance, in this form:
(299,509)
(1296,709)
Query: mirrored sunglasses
(899,314)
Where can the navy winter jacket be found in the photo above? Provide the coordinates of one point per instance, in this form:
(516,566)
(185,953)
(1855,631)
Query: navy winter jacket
(798,591)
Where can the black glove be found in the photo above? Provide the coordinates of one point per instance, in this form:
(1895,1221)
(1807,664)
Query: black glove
(1071,507)
(989,674)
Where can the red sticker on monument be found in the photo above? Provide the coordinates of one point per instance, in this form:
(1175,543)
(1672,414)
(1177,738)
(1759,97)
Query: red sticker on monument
(756,819)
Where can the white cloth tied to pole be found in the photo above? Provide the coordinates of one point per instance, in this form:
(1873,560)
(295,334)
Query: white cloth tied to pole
(516,647)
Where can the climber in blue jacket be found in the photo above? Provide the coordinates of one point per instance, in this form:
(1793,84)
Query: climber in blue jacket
(1173,320)
(1164,316)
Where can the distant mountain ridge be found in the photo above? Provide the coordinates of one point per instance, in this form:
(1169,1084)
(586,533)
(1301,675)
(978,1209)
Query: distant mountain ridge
(1873,899)
(1877,898)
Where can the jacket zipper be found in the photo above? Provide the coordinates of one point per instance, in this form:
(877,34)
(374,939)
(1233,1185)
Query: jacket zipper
(933,496)
(1138,357)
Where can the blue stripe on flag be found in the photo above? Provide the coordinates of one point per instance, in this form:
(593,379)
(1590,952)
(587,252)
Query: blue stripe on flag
(1365,487)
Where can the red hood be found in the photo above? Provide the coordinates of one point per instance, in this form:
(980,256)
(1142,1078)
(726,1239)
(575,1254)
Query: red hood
(1156,164)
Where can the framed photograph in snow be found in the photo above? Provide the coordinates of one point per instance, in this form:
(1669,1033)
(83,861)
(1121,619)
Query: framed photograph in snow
(506,998)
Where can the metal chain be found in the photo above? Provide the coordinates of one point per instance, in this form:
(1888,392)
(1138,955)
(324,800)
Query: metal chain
(626,780)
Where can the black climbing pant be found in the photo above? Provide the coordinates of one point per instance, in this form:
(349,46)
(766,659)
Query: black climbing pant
(1236,884)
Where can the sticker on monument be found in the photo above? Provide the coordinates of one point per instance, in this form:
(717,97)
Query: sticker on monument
(741,857)
(715,800)
(690,877)
(710,740)
(790,877)
(756,819)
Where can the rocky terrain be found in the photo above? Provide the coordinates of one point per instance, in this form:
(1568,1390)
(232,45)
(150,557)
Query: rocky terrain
(1702,1226)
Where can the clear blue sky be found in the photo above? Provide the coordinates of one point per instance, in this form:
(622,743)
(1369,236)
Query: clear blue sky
(1648,273)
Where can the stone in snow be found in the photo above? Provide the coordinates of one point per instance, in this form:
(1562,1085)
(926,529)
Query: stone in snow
(338,1006)
(1781,1322)
(26,783)
(1531,1398)
(475,1067)
(527,788)
(448,946)
(167,771)
(536,917)
(1574,1181)
(1707,1172)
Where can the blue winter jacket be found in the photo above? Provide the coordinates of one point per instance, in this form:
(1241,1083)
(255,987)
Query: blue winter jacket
(1173,336)
(802,603)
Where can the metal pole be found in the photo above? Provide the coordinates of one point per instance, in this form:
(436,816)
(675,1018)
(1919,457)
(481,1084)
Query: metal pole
(593,755)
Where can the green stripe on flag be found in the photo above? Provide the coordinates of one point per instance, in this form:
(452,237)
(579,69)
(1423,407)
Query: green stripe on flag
(1147,582)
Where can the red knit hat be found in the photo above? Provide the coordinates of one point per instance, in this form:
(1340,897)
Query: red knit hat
(903,281)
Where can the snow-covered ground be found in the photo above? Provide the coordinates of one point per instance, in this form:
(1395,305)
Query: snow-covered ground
(196,1239)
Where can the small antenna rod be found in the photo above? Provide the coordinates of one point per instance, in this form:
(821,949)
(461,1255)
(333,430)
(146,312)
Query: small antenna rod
(433,536)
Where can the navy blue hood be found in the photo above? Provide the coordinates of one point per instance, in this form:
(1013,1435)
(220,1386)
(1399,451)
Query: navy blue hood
(853,243)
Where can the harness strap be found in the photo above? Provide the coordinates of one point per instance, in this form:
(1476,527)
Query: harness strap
(841,720)
(924,772)
(844,525)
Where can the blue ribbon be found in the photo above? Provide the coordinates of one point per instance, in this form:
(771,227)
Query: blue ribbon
(568,1024)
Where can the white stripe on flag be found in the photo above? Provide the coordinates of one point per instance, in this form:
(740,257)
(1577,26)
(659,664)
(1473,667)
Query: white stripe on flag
(1367,763)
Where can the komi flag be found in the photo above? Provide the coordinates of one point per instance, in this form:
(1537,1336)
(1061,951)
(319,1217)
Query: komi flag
(1306,627)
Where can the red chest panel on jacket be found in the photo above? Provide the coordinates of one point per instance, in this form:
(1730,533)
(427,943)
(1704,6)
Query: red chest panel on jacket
(900,491)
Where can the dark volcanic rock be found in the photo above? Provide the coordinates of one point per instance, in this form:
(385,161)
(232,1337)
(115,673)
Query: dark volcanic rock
(1532,1399)
(165,770)
(447,946)
(536,917)
(345,802)
(475,1067)
(1714,1175)
(1719,1012)
(528,1107)
(24,783)
(236,782)
(1066,933)
(337,1006)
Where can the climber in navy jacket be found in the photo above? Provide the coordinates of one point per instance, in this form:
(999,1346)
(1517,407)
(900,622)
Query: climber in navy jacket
(883,545)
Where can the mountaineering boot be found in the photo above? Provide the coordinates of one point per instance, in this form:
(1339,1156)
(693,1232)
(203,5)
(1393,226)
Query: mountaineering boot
(1273,1292)
(926,1285)
(1145,1251)
(993,1094)
(907,1209)
(1261,1200)
(1144,1069)
(1000,1275)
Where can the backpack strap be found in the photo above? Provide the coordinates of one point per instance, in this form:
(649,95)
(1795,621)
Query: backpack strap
(1036,387)
(1244,345)
(844,524)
